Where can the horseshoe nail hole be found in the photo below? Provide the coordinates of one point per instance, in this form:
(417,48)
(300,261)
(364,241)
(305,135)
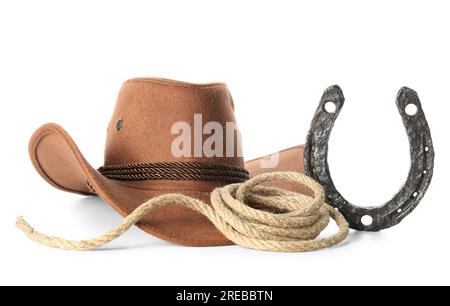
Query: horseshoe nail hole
(427,148)
(366,220)
(415,194)
(411,109)
(330,107)
(399,210)
(424,172)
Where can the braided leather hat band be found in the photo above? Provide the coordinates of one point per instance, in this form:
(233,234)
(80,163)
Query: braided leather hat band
(176,171)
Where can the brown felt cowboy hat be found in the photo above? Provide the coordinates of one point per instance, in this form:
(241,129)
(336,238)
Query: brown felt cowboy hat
(140,162)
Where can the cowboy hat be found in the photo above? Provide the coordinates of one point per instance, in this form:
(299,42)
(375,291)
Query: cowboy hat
(145,156)
(140,160)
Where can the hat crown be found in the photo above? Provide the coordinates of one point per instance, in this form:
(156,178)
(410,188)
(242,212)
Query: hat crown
(159,120)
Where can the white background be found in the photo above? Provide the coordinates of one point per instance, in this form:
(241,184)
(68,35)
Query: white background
(64,62)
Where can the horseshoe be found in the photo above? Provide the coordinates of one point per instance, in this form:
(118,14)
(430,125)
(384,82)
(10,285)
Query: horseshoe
(421,170)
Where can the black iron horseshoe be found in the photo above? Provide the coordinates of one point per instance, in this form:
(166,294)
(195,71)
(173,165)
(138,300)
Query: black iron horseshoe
(420,173)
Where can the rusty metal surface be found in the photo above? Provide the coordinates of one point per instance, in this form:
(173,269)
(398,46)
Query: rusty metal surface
(420,173)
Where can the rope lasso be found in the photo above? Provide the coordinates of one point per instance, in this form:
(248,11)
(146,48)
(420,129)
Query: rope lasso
(250,215)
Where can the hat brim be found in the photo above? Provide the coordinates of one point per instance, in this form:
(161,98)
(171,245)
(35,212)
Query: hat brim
(58,160)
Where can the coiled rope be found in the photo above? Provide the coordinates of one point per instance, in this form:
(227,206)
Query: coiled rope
(250,215)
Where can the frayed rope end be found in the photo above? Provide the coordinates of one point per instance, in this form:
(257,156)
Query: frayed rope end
(23,225)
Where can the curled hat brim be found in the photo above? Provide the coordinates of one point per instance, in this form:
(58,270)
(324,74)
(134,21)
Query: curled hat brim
(58,160)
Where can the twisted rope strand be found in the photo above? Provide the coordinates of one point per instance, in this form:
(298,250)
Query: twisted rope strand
(176,171)
(174,176)
(288,222)
(168,165)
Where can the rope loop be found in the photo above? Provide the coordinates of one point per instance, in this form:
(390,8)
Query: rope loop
(249,214)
